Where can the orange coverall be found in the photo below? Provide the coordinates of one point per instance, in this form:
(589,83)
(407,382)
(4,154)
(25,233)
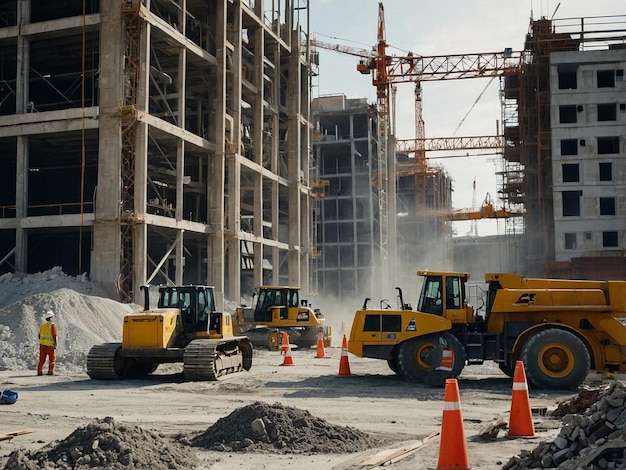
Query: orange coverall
(47,347)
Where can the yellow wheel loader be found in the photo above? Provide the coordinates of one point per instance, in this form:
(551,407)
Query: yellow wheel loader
(183,328)
(278,309)
(560,329)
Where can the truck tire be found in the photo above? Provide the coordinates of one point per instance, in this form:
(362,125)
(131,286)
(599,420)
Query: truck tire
(393,365)
(506,369)
(437,377)
(416,356)
(555,359)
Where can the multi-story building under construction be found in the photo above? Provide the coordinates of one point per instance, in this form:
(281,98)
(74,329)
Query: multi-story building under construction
(565,114)
(346,211)
(347,215)
(156,141)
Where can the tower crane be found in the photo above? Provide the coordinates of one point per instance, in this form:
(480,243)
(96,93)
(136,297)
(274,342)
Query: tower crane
(386,71)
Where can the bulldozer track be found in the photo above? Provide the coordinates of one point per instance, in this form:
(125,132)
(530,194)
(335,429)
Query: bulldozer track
(101,361)
(209,359)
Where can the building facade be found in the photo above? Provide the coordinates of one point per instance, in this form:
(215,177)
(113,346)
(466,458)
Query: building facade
(156,141)
(588,114)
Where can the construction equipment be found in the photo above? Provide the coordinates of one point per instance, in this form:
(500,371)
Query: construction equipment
(183,328)
(276,309)
(560,329)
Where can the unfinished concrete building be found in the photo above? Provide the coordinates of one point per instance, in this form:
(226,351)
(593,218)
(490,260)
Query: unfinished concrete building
(160,141)
(350,238)
(346,209)
(565,131)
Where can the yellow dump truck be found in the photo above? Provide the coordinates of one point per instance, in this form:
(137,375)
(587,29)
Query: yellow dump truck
(185,327)
(278,309)
(560,329)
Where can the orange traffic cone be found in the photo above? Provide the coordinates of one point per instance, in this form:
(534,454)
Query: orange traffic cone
(288,360)
(321,354)
(284,343)
(452,446)
(521,420)
(344,365)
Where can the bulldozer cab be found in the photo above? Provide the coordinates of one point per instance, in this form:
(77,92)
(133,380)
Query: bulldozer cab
(271,298)
(443,294)
(196,304)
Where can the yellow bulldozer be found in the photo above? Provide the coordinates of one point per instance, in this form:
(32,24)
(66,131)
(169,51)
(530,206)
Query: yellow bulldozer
(560,329)
(185,327)
(278,309)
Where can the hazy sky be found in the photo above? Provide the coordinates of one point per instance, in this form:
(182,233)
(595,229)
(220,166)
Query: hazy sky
(445,27)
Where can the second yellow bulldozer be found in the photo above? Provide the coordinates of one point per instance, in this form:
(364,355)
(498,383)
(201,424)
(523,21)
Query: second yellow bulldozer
(278,309)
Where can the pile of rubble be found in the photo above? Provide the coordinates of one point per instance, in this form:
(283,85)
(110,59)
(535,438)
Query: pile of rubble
(106,444)
(85,315)
(593,439)
(261,427)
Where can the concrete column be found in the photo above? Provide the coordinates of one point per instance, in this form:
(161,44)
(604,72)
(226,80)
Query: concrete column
(258,44)
(215,196)
(21,204)
(140,250)
(22,163)
(233,266)
(306,231)
(180,246)
(180,163)
(106,255)
(293,164)
(258,229)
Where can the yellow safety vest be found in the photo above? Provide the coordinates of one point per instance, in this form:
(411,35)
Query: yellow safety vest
(45,334)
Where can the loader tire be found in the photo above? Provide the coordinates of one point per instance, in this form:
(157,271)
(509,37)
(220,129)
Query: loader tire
(555,359)
(506,369)
(437,377)
(393,365)
(417,356)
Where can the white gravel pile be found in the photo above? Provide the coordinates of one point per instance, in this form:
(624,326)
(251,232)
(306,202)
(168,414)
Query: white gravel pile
(85,315)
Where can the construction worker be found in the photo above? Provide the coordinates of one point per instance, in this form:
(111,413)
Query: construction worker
(47,344)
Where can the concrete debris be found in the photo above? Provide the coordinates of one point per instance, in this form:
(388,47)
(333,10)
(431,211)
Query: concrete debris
(591,439)
(261,427)
(103,443)
(586,397)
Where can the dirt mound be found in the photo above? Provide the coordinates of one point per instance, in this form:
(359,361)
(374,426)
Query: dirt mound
(261,427)
(83,317)
(103,443)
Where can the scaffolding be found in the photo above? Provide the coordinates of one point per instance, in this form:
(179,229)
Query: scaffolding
(526,176)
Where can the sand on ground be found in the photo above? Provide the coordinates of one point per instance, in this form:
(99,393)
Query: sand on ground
(373,400)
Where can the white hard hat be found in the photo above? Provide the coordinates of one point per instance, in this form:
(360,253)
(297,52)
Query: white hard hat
(49,314)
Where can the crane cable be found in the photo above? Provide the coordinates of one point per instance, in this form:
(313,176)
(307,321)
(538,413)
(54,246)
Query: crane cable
(472,107)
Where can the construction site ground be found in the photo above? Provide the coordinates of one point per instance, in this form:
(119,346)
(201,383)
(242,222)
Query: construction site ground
(397,415)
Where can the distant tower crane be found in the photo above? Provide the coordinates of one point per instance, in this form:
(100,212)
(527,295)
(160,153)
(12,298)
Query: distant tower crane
(387,70)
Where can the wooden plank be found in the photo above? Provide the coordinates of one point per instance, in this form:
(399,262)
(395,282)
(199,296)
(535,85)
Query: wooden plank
(388,456)
(425,441)
(10,435)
